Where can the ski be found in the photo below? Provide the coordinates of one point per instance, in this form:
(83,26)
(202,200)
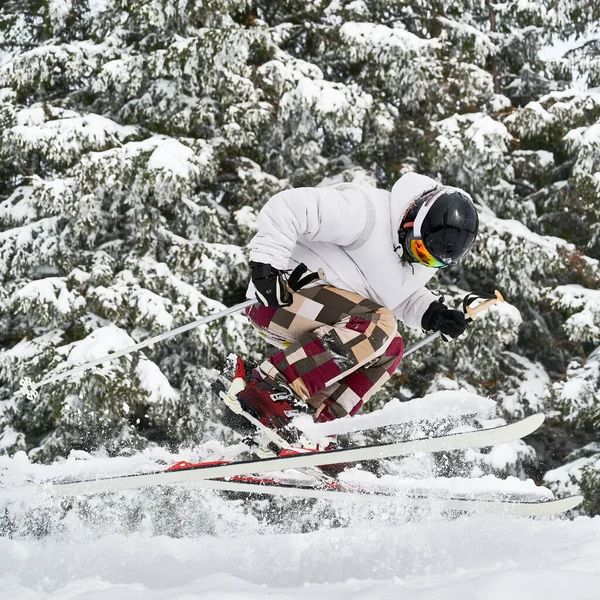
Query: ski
(453,441)
(333,492)
(309,433)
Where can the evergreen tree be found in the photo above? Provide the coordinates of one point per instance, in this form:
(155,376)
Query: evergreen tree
(140,138)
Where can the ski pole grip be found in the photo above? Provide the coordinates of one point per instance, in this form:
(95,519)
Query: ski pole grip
(473,312)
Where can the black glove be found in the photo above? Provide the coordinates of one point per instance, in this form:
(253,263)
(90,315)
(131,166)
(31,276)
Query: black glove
(271,288)
(438,317)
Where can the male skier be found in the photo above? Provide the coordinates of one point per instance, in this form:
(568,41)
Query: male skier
(339,339)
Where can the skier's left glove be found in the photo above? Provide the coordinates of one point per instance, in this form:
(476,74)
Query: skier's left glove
(270,284)
(438,317)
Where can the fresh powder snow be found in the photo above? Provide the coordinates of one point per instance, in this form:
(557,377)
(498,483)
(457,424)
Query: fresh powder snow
(190,545)
(184,543)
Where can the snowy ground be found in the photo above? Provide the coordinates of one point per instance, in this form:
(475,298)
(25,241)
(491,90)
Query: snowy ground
(471,557)
(185,544)
(182,543)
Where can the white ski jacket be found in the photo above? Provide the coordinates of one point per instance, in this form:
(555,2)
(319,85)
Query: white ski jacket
(351,232)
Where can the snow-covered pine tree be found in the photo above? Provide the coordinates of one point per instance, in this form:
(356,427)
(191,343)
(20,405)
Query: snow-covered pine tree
(128,141)
(536,164)
(112,232)
(139,139)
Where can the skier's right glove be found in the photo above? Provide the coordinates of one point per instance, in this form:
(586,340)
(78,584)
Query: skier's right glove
(438,317)
(271,288)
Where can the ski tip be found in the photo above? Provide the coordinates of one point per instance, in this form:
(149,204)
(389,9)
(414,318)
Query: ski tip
(536,421)
(571,502)
(240,369)
(554,507)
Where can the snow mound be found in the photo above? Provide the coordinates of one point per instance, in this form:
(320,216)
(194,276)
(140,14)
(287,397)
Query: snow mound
(488,558)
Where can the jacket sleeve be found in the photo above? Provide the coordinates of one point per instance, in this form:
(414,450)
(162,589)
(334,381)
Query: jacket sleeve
(327,214)
(411,310)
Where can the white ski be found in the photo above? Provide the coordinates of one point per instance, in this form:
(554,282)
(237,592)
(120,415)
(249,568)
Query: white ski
(501,505)
(432,408)
(310,434)
(471,439)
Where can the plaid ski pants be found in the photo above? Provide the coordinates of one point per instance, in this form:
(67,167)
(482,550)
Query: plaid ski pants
(338,348)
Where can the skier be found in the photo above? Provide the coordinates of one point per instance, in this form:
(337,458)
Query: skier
(338,339)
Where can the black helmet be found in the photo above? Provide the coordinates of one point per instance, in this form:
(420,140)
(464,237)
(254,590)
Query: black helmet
(439,228)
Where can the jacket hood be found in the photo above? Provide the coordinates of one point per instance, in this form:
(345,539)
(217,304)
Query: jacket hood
(405,191)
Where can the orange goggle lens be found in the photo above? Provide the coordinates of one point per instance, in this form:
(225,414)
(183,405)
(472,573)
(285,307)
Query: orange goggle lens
(423,255)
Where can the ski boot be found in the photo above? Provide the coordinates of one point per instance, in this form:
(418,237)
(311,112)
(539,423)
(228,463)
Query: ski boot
(270,406)
(266,410)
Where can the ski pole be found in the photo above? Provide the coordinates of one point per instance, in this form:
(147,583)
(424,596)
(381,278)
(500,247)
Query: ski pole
(471,316)
(299,278)
(423,342)
(29,388)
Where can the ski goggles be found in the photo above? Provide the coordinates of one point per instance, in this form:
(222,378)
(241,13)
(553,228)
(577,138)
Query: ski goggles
(422,255)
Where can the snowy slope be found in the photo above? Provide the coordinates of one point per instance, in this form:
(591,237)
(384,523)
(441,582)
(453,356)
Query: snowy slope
(184,543)
(482,558)
(190,544)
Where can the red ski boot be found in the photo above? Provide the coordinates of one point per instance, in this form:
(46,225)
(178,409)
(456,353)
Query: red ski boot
(256,400)
(267,404)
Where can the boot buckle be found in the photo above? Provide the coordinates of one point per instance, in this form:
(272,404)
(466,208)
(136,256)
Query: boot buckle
(279,396)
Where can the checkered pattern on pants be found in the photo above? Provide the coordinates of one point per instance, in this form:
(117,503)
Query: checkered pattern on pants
(341,348)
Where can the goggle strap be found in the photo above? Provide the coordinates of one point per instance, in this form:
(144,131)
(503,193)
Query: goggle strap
(425,208)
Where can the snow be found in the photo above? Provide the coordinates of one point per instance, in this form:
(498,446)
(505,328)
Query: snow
(96,345)
(379,36)
(353,564)
(354,174)
(484,133)
(377,556)
(532,388)
(577,393)
(9,437)
(583,136)
(558,48)
(97,6)
(432,407)
(18,207)
(33,127)
(563,478)
(285,71)
(27,233)
(328,101)
(153,307)
(186,543)
(58,11)
(246,217)
(503,227)
(487,486)
(154,382)
(481,42)
(26,349)
(51,291)
(505,455)
(325,97)
(172,156)
(584,303)
(546,158)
